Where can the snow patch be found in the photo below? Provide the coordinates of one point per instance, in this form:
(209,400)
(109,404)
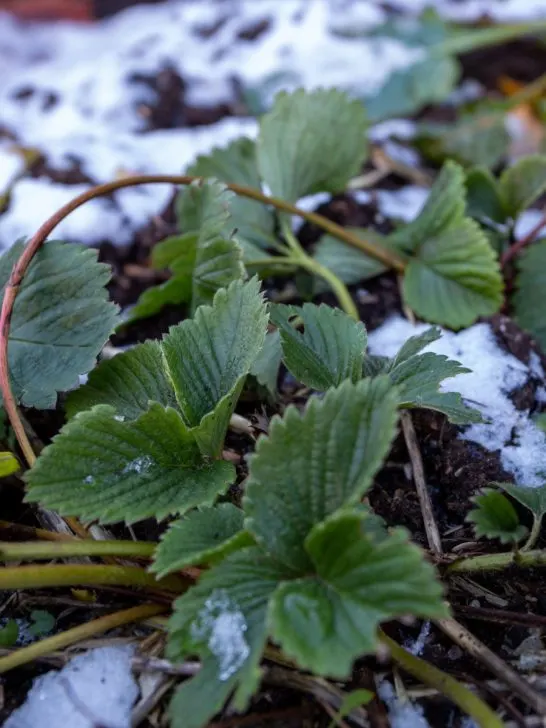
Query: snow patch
(78,92)
(95,688)
(11,165)
(223,626)
(402,713)
(494,375)
(403,204)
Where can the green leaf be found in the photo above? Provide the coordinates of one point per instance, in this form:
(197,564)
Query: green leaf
(204,259)
(311,142)
(528,300)
(523,183)
(495,517)
(418,378)
(254,222)
(483,200)
(330,350)
(532,498)
(418,381)
(350,264)
(9,634)
(208,358)
(201,537)
(266,365)
(332,452)
(101,467)
(60,322)
(479,138)
(326,621)
(427,29)
(173,292)
(43,623)
(128,382)
(406,91)
(351,701)
(444,207)
(222,620)
(453,276)
(8,464)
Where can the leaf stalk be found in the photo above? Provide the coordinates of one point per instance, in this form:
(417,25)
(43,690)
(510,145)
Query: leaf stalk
(36,550)
(496,562)
(57,575)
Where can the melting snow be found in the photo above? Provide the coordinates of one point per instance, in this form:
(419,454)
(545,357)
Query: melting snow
(139,465)
(402,713)
(95,688)
(73,91)
(223,625)
(494,375)
(404,204)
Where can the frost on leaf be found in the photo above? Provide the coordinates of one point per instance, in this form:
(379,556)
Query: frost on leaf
(222,626)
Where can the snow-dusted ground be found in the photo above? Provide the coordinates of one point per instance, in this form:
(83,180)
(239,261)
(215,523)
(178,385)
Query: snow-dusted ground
(72,91)
(494,375)
(94,689)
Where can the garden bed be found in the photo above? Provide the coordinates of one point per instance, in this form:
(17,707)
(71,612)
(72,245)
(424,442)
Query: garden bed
(151,105)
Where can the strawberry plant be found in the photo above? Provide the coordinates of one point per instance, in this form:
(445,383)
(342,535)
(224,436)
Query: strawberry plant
(281,559)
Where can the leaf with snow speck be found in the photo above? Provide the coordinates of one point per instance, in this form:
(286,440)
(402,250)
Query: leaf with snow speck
(101,468)
(222,620)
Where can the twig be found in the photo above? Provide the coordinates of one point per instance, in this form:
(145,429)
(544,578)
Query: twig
(467,641)
(520,244)
(501,616)
(43,534)
(431,529)
(319,688)
(83,631)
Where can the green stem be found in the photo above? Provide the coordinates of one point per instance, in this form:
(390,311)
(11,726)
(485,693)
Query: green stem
(497,562)
(291,240)
(36,550)
(535,533)
(464,698)
(276,261)
(82,632)
(473,40)
(336,284)
(38,577)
